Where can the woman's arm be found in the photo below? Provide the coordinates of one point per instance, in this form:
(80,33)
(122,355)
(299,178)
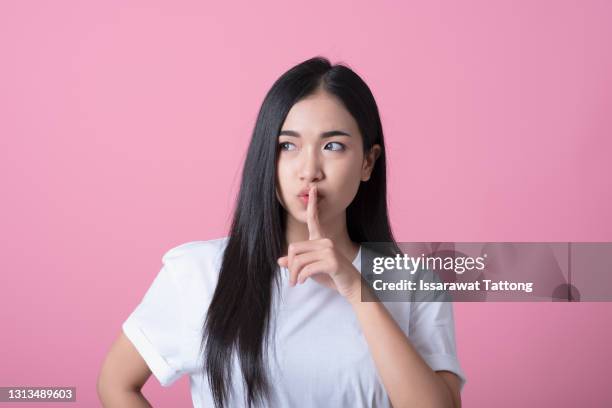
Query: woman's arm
(122,376)
(407,378)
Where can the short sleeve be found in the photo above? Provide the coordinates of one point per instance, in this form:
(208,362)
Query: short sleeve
(156,328)
(432,333)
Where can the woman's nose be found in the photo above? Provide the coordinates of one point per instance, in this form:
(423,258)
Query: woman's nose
(311,166)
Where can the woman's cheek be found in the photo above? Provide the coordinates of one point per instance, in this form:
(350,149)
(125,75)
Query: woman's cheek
(280,199)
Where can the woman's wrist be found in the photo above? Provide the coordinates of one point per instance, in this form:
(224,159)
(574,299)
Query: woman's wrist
(360,292)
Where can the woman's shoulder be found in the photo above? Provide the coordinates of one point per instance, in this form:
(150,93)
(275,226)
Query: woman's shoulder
(196,249)
(195,259)
(194,267)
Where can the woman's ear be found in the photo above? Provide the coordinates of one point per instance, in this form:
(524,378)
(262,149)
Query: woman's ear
(368,162)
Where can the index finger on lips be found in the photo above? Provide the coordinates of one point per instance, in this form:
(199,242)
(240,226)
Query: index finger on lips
(312,215)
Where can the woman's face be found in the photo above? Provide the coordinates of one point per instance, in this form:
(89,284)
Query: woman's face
(320,145)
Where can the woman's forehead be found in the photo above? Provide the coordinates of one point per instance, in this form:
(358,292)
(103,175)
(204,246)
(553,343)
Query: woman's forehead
(317,114)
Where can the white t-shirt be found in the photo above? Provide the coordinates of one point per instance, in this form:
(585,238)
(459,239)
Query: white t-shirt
(321,358)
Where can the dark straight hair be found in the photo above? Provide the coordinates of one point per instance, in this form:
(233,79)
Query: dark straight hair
(237,319)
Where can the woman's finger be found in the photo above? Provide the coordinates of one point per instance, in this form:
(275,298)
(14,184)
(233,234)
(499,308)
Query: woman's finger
(312,215)
(311,269)
(300,262)
(296,248)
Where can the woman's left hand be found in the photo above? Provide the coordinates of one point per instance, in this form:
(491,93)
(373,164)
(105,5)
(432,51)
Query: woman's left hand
(320,259)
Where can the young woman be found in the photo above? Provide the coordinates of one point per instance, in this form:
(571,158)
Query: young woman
(271,315)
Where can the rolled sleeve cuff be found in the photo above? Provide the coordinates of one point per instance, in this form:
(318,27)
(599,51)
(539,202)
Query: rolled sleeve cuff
(165,374)
(446,362)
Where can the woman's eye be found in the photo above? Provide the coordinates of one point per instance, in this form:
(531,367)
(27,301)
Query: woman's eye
(341,146)
(290,146)
(283,144)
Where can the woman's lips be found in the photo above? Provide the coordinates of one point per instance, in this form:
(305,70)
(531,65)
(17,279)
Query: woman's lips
(304,198)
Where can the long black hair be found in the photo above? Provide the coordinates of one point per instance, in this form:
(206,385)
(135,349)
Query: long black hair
(238,315)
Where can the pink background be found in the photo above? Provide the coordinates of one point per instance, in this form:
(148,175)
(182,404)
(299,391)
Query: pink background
(124,127)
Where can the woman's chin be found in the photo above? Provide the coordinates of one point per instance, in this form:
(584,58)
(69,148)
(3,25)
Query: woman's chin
(301,216)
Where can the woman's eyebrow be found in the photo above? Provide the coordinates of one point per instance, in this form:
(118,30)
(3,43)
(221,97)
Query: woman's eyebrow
(329,133)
